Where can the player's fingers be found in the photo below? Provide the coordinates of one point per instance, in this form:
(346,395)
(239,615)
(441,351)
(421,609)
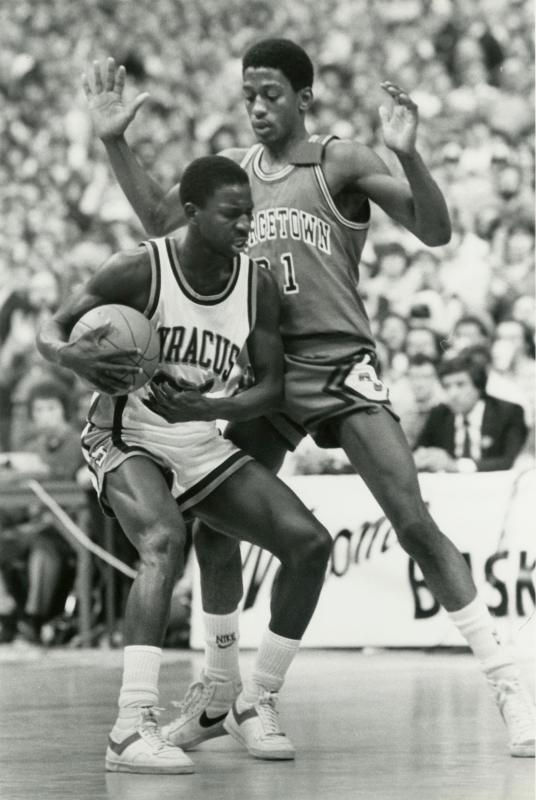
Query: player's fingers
(384,113)
(120,78)
(120,355)
(110,74)
(98,76)
(100,330)
(136,103)
(405,100)
(86,85)
(111,368)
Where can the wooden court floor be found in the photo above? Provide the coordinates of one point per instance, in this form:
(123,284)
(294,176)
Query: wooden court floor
(392,726)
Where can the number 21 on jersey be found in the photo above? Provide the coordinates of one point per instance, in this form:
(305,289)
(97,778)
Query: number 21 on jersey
(290,284)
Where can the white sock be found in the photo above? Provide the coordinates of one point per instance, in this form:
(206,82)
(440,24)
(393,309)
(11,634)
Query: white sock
(475,623)
(274,657)
(221,647)
(141,665)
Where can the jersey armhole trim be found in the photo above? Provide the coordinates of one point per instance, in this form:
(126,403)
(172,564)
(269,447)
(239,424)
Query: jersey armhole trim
(156,279)
(252,294)
(249,155)
(324,189)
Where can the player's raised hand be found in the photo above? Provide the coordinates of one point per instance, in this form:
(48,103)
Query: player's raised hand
(111,115)
(399,120)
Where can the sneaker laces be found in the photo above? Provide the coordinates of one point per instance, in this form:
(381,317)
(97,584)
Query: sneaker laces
(150,730)
(195,700)
(514,705)
(268,713)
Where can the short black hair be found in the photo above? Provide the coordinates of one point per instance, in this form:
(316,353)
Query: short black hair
(465,363)
(284,55)
(205,175)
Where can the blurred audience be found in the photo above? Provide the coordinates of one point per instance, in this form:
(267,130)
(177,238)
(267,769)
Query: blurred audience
(37,565)
(414,395)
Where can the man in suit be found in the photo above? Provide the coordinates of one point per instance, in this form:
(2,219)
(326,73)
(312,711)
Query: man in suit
(471,430)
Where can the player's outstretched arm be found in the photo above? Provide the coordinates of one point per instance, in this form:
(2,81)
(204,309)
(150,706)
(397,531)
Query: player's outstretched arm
(158,211)
(125,279)
(265,350)
(418,205)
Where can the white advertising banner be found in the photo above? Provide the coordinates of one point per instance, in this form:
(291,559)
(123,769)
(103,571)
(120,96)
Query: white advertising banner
(374,595)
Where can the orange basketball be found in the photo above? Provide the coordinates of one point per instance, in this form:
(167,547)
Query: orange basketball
(129,329)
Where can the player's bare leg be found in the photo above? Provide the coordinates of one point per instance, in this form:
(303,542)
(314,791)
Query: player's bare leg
(208,700)
(254,505)
(378,449)
(147,513)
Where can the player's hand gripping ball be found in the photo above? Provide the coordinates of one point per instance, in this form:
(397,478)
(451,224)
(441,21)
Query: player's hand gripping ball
(128,330)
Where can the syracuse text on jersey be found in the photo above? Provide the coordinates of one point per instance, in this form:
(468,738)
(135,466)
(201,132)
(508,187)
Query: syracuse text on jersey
(206,349)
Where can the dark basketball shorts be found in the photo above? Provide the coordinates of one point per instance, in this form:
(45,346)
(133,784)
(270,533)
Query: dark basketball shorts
(318,392)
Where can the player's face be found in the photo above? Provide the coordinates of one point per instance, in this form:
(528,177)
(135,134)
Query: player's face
(273,107)
(225,220)
(461,393)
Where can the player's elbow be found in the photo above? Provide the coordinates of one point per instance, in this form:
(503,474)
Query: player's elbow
(438,237)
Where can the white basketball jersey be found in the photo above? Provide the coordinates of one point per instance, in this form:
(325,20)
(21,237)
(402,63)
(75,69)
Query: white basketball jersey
(201,337)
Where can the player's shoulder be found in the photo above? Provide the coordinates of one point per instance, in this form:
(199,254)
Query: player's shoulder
(234,153)
(133,258)
(353,157)
(126,267)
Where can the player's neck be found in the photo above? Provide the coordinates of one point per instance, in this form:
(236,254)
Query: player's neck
(207,272)
(278,154)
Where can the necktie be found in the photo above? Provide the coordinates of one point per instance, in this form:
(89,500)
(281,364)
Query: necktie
(466,451)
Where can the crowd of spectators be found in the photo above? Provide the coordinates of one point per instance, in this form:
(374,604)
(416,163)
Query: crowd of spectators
(467,63)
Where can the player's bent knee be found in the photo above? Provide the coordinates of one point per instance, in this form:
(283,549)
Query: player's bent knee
(160,543)
(309,547)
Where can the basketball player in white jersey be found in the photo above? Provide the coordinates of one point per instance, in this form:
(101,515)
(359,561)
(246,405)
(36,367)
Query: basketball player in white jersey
(156,454)
(312,206)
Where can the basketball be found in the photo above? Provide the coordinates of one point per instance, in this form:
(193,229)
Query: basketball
(129,329)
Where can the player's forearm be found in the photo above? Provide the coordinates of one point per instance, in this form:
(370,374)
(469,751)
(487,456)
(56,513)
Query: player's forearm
(142,192)
(431,217)
(249,404)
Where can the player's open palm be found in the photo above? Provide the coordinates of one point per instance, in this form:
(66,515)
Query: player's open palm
(399,120)
(111,115)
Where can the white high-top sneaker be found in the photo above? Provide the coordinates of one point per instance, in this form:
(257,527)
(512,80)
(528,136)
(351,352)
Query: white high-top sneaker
(256,726)
(201,713)
(518,714)
(136,744)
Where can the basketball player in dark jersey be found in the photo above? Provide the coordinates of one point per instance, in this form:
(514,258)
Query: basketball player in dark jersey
(312,205)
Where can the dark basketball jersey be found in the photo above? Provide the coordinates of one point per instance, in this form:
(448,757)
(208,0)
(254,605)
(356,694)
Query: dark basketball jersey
(314,252)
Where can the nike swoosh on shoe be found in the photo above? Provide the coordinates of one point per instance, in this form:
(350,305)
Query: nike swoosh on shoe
(207,722)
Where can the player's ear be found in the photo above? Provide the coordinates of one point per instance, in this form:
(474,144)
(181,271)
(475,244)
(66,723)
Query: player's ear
(190,211)
(305,99)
